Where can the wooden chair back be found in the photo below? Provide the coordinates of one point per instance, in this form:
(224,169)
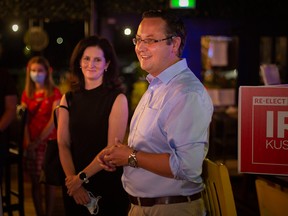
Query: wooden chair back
(272,198)
(218,194)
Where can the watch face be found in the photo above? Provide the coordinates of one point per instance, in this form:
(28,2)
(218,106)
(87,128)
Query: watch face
(132,162)
(82,176)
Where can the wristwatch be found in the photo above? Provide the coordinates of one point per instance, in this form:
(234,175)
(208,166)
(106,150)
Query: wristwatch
(132,160)
(83,177)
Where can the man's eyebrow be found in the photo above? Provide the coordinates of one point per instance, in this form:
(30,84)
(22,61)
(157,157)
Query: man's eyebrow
(151,35)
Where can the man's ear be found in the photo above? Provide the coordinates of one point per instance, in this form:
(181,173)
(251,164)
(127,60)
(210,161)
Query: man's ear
(176,42)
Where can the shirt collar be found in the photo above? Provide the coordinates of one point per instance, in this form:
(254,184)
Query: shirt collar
(166,75)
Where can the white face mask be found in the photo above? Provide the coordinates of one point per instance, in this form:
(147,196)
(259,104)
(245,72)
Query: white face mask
(37,77)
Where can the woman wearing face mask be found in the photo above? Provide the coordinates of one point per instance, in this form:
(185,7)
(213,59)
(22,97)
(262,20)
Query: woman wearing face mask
(40,97)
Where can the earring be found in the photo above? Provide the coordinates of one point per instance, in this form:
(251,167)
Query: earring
(80,67)
(105,69)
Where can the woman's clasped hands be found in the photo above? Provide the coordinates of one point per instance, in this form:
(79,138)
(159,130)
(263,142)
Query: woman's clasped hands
(72,182)
(75,189)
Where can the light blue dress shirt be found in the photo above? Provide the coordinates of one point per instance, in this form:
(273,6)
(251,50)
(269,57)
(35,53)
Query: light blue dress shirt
(173,116)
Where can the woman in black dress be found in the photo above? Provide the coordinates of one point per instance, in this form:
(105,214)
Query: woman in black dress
(98,113)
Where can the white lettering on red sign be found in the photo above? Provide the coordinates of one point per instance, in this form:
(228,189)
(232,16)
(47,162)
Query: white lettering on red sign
(281,126)
(276,101)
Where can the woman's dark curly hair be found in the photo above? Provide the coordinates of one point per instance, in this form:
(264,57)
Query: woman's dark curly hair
(111,77)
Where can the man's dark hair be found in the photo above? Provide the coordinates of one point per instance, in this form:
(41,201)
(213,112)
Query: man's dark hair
(174,25)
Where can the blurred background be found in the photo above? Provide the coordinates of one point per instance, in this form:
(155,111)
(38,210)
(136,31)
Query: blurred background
(227,43)
(242,34)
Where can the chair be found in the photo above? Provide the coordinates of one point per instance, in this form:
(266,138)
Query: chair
(15,159)
(218,195)
(272,199)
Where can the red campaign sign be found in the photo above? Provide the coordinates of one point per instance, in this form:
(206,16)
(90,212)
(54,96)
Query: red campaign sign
(263,129)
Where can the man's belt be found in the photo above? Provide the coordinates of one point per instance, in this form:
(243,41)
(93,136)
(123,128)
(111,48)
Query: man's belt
(163,200)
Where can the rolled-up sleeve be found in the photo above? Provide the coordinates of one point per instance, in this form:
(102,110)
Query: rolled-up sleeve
(187,131)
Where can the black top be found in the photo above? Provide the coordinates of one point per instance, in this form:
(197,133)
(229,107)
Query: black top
(88,123)
(7,87)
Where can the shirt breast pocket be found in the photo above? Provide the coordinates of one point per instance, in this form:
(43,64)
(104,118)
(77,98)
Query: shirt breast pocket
(147,124)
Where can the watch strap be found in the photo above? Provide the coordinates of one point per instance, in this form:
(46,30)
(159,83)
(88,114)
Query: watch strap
(132,160)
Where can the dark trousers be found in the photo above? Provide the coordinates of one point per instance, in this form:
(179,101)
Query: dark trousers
(3,153)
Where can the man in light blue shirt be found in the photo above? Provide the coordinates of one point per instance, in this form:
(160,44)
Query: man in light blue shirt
(169,130)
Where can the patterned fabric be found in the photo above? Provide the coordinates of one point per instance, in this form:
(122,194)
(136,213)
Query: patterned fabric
(33,161)
(39,109)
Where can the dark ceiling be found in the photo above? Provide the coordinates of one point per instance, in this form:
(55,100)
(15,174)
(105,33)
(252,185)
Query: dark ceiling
(65,18)
(56,10)
(51,9)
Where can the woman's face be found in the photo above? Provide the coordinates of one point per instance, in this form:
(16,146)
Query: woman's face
(93,63)
(38,73)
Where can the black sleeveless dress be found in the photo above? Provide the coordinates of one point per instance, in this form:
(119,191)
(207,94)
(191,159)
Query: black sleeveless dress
(88,123)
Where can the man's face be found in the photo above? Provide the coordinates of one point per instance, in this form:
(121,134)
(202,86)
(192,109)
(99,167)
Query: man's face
(154,57)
